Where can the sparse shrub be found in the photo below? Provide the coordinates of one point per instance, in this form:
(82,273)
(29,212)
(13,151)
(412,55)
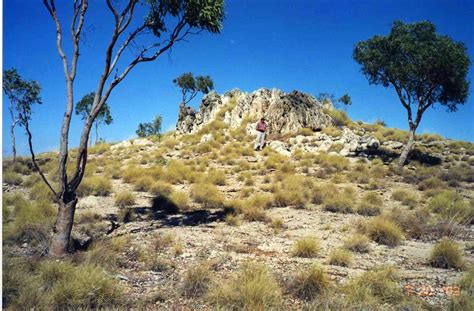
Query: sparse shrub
(208,195)
(250,288)
(383,231)
(12,178)
(160,188)
(309,283)
(357,243)
(340,257)
(180,199)
(446,254)
(95,185)
(306,247)
(125,199)
(405,196)
(197,280)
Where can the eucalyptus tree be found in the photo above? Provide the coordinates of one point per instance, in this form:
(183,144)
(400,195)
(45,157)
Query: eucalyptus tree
(190,86)
(21,95)
(84,107)
(141,32)
(150,128)
(422,66)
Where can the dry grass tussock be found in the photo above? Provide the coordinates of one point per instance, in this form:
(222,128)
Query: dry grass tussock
(309,283)
(446,254)
(383,231)
(306,247)
(252,287)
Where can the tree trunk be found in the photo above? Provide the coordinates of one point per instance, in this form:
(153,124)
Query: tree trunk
(62,229)
(12,135)
(408,147)
(96,132)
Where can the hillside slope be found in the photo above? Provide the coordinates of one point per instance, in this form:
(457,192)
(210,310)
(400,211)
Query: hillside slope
(320,219)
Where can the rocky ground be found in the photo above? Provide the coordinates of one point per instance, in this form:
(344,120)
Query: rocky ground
(199,233)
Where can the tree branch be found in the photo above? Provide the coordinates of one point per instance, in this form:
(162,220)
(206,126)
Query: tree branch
(33,158)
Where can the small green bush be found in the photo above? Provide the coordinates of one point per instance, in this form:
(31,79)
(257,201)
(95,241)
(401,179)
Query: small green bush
(446,254)
(306,247)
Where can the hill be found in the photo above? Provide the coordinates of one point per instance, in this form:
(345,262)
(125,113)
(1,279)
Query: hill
(320,219)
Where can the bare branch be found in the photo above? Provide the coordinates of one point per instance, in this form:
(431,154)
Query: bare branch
(33,158)
(76,33)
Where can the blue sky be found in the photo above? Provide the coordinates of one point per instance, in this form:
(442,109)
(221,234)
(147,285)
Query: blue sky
(286,44)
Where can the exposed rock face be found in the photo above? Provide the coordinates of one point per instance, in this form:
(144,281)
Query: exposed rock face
(286,113)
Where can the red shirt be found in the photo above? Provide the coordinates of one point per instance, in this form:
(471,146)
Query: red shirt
(261,126)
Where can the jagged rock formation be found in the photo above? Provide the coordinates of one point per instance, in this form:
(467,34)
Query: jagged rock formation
(286,113)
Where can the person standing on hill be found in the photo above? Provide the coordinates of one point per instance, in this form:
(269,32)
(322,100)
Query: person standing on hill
(261,129)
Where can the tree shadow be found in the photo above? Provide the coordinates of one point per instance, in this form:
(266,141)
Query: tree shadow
(168,214)
(389,156)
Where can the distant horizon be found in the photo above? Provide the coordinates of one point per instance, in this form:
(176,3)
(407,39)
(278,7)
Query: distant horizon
(297,45)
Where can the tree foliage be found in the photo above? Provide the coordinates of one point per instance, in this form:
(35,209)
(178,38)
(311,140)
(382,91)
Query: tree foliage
(84,108)
(150,128)
(190,86)
(22,95)
(345,100)
(422,66)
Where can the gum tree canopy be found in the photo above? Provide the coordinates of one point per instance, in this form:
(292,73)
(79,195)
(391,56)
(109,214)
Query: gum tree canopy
(191,86)
(140,32)
(422,66)
(83,108)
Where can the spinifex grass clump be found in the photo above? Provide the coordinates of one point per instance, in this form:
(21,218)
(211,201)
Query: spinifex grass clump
(383,231)
(340,257)
(357,243)
(406,197)
(125,199)
(95,185)
(197,280)
(208,195)
(306,247)
(250,288)
(309,283)
(446,254)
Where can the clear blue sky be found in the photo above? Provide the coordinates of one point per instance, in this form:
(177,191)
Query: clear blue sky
(287,44)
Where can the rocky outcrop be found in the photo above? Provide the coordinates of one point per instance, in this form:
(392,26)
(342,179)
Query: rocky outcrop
(286,113)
